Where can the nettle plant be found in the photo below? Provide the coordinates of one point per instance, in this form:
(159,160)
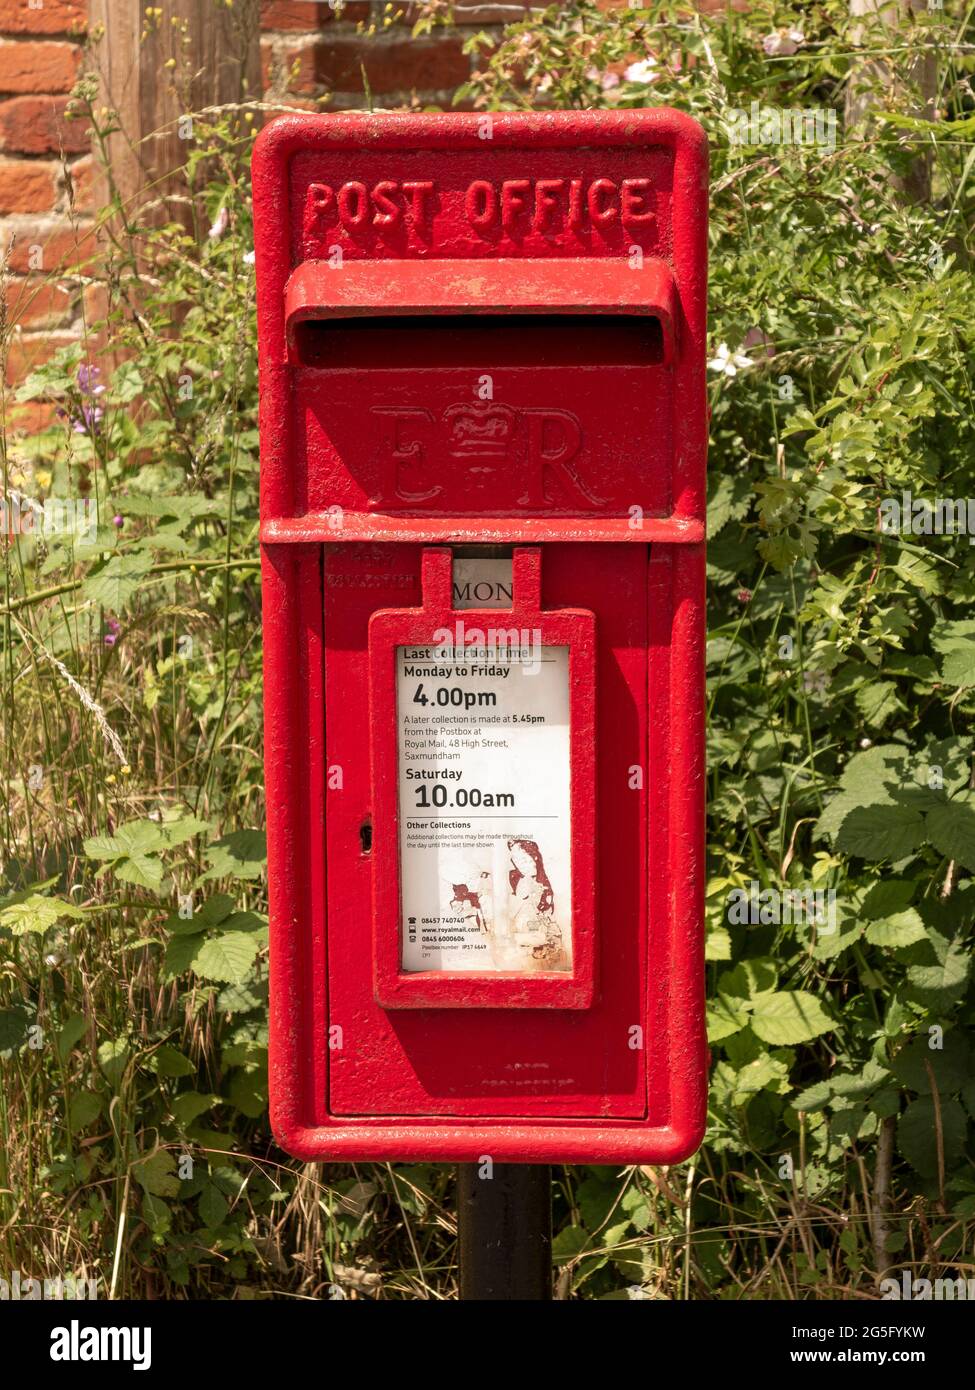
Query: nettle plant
(841,661)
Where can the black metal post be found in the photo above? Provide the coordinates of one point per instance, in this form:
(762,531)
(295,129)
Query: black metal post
(504,1228)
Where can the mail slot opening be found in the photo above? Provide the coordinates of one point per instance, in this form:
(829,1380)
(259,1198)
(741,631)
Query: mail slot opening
(478,340)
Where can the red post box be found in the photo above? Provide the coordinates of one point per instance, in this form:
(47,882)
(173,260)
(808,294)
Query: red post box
(483,435)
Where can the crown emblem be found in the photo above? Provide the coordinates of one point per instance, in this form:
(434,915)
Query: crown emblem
(483,430)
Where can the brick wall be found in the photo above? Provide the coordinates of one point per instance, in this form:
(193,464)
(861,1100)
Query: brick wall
(46,209)
(307,51)
(45,180)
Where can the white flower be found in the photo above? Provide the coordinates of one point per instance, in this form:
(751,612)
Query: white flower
(219,225)
(727,362)
(783,42)
(643,71)
(248,258)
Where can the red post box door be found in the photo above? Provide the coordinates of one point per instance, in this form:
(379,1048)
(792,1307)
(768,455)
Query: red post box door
(514,1060)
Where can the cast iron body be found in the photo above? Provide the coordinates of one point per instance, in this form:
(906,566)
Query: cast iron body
(400,260)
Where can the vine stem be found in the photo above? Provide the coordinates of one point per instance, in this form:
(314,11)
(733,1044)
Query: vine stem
(166,567)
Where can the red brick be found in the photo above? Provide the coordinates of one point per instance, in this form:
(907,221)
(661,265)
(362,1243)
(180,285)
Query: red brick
(29,350)
(292,14)
(39,303)
(292,103)
(27,185)
(54,17)
(62,248)
(271,75)
(36,125)
(30,417)
(470,12)
(38,67)
(706,6)
(95,303)
(399,64)
(82,183)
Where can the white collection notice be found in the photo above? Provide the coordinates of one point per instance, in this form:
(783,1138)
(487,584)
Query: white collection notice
(485,864)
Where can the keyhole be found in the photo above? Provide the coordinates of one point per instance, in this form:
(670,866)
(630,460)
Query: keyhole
(365,837)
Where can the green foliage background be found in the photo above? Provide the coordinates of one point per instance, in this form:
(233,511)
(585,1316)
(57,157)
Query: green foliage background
(841,686)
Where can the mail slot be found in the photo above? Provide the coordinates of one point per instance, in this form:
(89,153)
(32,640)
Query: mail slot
(483,436)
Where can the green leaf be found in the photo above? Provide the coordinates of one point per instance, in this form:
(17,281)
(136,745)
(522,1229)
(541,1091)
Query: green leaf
(141,869)
(157,1174)
(102,847)
(241,855)
(858,1085)
(169,1061)
(887,897)
(830,945)
(241,999)
(14,1023)
(878,702)
(177,832)
(209,914)
(920,571)
(728,498)
(250,1052)
(749,978)
(71,1031)
(570,1242)
(213,1206)
(52,378)
(901,929)
(84,1109)
(881,832)
(156,1214)
(950,1064)
(245,921)
(917,1136)
(113,1058)
(959,666)
(37,914)
(131,852)
(789,1016)
(180,954)
(814,1098)
(956,643)
(127,383)
(228,957)
(951,829)
(717,945)
(940,970)
(870,773)
(724,1018)
(248,1093)
(115,582)
(191,1105)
